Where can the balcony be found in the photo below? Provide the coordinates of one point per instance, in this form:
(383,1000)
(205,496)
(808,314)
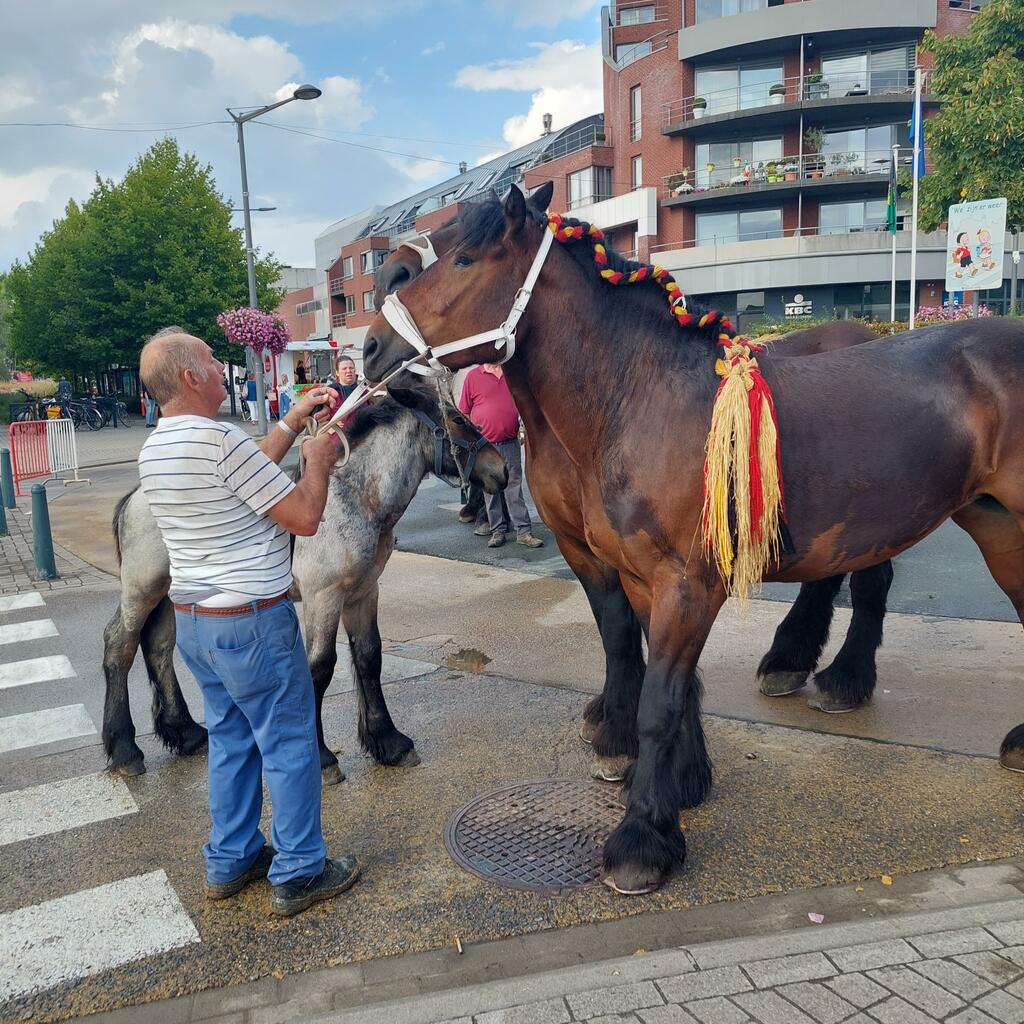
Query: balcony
(829,99)
(337,286)
(779,28)
(337,319)
(738,185)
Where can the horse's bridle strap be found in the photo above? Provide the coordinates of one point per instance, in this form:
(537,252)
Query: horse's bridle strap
(504,337)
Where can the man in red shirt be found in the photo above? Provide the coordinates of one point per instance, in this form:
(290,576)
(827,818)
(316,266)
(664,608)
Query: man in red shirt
(487,401)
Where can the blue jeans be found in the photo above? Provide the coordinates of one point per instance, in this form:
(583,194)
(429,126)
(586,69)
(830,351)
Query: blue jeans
(261,717)
(150,410)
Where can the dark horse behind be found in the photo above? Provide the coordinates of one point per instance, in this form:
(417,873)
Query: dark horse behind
(880,444)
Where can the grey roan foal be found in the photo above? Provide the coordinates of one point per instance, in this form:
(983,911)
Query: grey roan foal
(336,573)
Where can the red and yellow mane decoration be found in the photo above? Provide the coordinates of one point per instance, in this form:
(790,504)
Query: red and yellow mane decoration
(742,456)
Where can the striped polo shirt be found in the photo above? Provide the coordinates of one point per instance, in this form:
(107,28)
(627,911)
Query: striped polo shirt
(209,487)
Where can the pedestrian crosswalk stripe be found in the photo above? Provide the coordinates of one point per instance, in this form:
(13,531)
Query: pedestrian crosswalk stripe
(35,670)
(14,602)
(35,728)
(57,806)
(14,632)
(73,937)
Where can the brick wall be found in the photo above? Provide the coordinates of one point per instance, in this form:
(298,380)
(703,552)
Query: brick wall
(361,283)
(301,326)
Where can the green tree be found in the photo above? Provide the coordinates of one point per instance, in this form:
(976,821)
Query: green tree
(153,249)
(5,327)
(976,140)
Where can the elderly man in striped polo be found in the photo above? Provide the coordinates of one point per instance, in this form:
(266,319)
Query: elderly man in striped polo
(225,509)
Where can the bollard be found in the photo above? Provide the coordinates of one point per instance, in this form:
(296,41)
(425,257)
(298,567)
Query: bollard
(42,541)
(4,532)
(6,479)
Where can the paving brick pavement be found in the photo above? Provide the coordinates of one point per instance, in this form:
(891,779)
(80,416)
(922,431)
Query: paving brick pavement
(17,562)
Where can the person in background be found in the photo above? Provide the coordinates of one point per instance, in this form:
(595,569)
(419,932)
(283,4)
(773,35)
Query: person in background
(149,402)
(487,401)
(284,397)
(345,381)
(250,395)
(300,373)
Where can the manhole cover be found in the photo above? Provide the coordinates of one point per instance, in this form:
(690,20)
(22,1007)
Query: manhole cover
(544,836)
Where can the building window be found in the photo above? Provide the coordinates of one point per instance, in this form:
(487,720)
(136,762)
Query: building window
(738,226)
(848,218)
(591,185)
(708,10)
(727,163)
(634,113)
(636,15)
(967,5)
(749,310)
(350,303)
(372,259)
(308,307)
(869,71)
(346,267)
(636,172)
(861,150)
(738,86)
(368,306)
(628,53)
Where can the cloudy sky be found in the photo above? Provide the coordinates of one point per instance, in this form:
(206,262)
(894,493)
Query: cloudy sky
(410,88)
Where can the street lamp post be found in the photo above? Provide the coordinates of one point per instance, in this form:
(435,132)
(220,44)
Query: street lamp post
(303,92)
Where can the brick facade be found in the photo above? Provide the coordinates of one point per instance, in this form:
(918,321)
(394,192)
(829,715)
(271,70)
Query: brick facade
(300,326)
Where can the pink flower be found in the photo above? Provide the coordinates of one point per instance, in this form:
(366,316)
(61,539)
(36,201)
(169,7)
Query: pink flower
(253,327)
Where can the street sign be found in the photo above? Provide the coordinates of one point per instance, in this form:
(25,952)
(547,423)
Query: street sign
(974,247)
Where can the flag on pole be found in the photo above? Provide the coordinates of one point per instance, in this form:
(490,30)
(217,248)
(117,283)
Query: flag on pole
(916,133)
(890,210)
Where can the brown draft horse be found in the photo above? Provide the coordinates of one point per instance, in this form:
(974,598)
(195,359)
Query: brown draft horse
(880,444)
(610,718)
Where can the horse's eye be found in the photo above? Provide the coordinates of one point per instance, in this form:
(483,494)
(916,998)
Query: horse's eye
(462,260)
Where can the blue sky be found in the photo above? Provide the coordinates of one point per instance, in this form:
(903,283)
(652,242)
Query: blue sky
(434,81)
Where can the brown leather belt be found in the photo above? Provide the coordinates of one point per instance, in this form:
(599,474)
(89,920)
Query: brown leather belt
(241,609)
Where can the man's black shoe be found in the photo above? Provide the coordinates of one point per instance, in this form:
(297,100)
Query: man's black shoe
(301,893)
(260,868)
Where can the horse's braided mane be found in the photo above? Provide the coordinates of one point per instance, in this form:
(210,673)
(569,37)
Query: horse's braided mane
(484,222)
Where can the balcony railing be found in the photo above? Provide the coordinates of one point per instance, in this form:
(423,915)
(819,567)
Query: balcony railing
(338,319)
(597,197)
(621,12)
(871,163)
(787,90)
(760,236)
(573,142)
(337,286)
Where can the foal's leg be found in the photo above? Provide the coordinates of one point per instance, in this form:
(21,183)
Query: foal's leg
(321,613)
(850,680)
(673,769)
(172,720)
(800,639)
(1000,535)
(120,645)
(377,732)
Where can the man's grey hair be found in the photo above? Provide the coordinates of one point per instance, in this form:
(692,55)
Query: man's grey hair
(165,357)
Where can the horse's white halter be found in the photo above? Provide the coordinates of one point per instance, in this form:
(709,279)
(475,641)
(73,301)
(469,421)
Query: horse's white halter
(402,321)
(423,248)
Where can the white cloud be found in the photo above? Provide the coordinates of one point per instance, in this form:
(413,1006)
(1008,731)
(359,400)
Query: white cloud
(36,186)
(431,50)
(541,12)
(563,77)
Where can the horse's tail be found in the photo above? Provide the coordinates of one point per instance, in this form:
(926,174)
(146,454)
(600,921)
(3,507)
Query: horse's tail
(116,523)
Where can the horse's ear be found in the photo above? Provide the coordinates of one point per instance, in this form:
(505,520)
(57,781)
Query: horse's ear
(515,211)
(541,199)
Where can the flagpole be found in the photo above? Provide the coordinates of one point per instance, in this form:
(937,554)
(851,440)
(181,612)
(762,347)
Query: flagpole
(918,136)
(892,292)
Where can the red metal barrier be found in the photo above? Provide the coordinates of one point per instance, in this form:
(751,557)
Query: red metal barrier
(29,453)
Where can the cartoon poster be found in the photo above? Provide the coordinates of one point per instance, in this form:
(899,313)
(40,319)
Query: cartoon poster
(974,249)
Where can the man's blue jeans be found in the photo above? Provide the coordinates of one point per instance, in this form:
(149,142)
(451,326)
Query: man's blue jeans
(261,717)
(150,411)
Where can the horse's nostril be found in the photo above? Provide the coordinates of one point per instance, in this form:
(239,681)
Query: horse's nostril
(370,346)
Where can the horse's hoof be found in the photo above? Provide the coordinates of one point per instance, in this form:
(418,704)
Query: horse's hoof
(130,768)
(609,769)
(833,705)
(778,684)
(194,740)
(332,775)
(632,880)
(587,730)
(409,760)
(1012,760)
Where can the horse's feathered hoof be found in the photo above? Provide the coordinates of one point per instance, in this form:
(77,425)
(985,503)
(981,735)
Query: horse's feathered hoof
(1012,760)
(833,705)
(609,769)
(779,684)
(130,769)
(587,730)
(630,883)
(332,775)
(409,760)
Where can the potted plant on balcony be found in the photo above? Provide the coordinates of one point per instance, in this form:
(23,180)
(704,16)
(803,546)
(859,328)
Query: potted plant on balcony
(814,138)
(773,171)
(700,106)
(599,135)
(777,94)
(789,172)
(817,87)
(679,183)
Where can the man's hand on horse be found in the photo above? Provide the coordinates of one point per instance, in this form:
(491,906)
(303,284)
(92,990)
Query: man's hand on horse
(319,402)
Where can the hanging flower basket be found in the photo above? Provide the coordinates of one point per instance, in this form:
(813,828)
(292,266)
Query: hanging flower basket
(253,327)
